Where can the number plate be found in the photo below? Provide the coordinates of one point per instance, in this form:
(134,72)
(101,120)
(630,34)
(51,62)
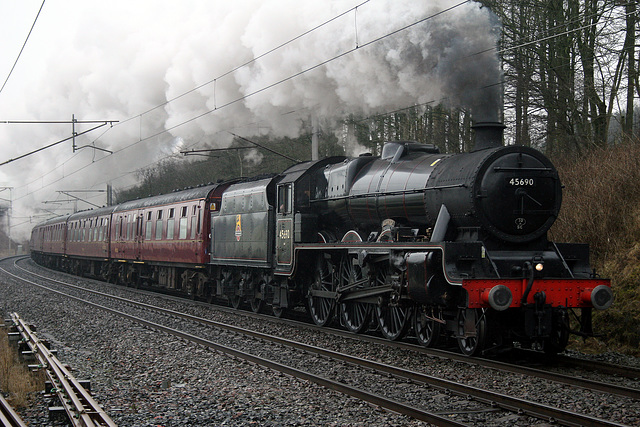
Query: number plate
(522,182)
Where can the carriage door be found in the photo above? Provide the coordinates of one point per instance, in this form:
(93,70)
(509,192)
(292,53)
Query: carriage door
(284,226)
(139,234)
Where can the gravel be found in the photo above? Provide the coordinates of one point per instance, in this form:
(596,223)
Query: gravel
(146,378)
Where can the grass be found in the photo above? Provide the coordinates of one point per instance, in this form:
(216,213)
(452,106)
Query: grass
(15,377)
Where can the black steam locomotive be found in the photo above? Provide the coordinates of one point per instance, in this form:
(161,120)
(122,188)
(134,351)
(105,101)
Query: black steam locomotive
(446,245)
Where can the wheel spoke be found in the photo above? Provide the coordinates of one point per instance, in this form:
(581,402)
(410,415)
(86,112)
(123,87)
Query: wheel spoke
(256,305)
(354,315)
(471,345)
(256,300)
(426,329)
(393,320)
(278,311)
(235,301)
(321,309)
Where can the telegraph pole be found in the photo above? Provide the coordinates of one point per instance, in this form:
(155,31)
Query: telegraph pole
(8,213)
(314,137)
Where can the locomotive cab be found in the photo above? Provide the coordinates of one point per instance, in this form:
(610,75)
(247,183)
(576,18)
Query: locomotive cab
(301,195)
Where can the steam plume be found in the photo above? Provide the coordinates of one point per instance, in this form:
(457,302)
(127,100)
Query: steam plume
(118,60)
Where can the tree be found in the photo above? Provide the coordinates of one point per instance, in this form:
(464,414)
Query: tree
(564,63)
(632,77)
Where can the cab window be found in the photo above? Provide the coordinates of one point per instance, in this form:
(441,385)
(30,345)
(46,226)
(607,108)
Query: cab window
(284,199)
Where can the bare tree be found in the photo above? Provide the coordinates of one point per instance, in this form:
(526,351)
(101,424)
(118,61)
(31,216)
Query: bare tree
(565,62)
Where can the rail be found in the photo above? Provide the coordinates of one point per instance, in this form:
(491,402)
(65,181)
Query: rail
(8,416)
(81,408)
(495,399)
(490,398)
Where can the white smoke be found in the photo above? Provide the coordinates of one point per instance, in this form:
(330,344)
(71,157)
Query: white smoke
(118,60)
(437,61)
(253,157)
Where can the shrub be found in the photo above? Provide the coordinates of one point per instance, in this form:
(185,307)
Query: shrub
(15,378)
(601,206)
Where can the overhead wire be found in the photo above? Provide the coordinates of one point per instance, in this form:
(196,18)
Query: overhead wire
(247,63)
(23,46)
(219,77)
(289,78)
(241,98)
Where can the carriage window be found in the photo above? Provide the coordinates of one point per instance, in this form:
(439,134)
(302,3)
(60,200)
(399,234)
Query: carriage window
(183,227)
(129,227)
(170,226)
(148,229)
(193,226)
(106,227)
(159,228)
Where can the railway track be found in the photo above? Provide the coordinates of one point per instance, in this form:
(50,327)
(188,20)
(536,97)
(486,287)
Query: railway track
(81,409)
(598,366)
(483,400)
(8,416)
(544,374)
(549,370)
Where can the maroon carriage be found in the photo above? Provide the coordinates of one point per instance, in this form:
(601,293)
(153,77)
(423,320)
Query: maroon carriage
(47,242)
(165,239)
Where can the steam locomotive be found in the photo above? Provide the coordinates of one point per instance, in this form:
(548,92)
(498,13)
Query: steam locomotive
(448,246)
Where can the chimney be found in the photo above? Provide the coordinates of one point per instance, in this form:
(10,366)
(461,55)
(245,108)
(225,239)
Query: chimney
(488,135)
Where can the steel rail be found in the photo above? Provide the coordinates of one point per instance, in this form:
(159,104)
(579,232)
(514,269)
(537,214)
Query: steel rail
(584,383)
(593,365)
(82,410)
(8,416)
(506,402)
(489,397)
(390,404)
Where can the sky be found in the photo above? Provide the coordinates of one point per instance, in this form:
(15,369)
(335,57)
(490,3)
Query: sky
(186,75)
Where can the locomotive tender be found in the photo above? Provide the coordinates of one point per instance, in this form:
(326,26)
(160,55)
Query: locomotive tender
(448,245)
